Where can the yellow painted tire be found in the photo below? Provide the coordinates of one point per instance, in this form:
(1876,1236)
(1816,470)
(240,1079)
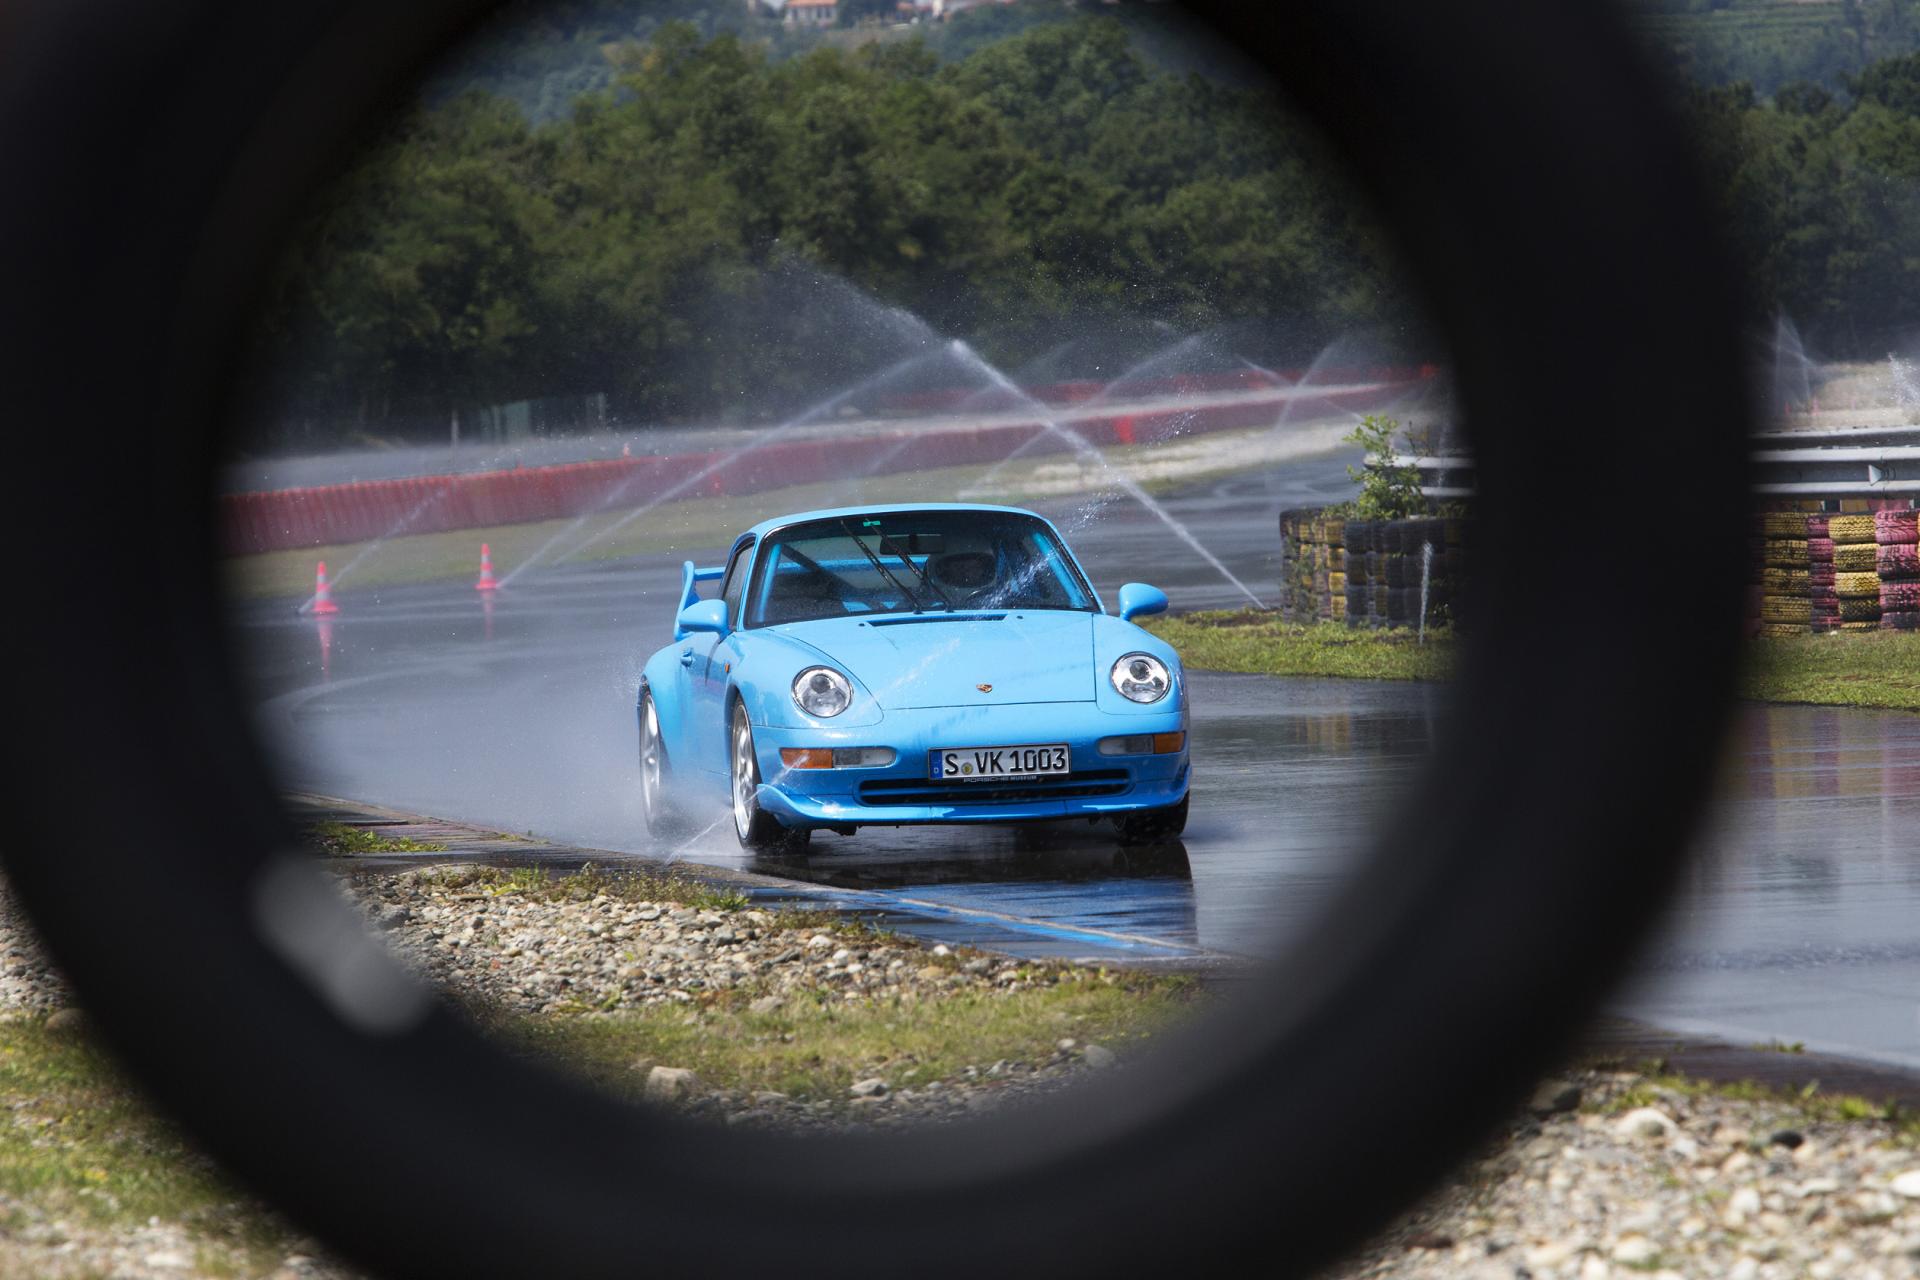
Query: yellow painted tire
(1855,557)
(1844,529)
(1857,585)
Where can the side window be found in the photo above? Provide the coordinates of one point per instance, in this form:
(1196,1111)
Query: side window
(734,586)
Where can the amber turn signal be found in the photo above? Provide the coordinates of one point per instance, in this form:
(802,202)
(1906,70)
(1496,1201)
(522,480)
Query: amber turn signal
(806,757)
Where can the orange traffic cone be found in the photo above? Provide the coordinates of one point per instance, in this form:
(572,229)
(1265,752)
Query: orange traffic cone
(486,582)
(322,597)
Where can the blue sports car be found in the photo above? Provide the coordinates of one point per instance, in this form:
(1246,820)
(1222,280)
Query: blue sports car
(939,663)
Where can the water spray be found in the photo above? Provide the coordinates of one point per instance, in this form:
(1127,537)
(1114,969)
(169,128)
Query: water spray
(718,464)
(1085,448)
(1906,393)
(1426,577)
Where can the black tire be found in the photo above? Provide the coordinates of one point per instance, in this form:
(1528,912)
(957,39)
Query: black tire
(662,816)
(1287,1094)
(1155,826)
(757,829)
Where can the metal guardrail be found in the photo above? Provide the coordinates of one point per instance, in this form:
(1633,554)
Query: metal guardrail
(1864,462)
(1441,477)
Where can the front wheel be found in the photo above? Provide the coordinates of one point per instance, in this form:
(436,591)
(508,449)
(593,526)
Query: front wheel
(758,830)
(1155,826)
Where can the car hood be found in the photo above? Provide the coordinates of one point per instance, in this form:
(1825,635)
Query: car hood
(941,660)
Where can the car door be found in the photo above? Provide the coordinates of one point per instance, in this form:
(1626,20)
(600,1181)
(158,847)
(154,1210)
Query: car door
(704,660)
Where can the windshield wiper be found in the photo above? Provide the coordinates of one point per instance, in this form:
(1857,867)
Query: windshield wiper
(885,572)
(921,574)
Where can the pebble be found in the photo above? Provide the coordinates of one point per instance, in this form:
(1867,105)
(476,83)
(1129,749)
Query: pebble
(1634,1251)
(1099,1058)
(67,1021)
(1552,1253)
(671,1084)
(1906,1184)
(1645,1122)
(1554,1096)
(1741,1205)
(873,1087)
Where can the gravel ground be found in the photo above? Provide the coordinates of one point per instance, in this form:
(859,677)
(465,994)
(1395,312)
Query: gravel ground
(613,950)
(1610,1174)
(530,954)
(1639,1179)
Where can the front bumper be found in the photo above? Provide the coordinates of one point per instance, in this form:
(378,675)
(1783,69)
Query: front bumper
(904,793)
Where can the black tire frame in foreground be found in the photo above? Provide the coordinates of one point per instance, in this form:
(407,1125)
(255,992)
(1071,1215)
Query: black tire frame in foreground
(1543,199)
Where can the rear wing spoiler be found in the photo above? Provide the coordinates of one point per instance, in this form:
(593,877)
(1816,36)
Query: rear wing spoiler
(688,595)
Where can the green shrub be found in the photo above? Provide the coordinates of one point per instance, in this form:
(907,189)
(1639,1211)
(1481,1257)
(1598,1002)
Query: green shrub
(1387,492)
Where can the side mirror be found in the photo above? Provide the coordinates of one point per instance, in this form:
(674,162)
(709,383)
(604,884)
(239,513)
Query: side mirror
(1137,599)
(708,615)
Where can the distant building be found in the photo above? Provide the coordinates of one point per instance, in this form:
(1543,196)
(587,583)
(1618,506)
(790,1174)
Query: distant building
(810,13)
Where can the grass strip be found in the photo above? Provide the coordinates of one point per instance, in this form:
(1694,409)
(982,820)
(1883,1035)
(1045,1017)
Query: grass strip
(816,1047)
(589,882)
(342,838)
(1844,669)
(80,1144)
(1261,643)
(1864,669)
(1807,1103)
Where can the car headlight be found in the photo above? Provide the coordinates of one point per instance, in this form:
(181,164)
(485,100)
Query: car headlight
(822,691)
(1141,677)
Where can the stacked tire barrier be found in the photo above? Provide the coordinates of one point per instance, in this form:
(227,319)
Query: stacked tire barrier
(1786,574)
(1856,576)
(1370,573)
(1823,597)
(1897,564)
(1852,571)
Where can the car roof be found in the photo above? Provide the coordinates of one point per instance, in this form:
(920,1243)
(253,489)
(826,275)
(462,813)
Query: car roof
(780,522)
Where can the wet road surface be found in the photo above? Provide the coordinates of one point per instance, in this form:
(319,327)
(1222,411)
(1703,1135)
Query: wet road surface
(1801,920)
(1799,923)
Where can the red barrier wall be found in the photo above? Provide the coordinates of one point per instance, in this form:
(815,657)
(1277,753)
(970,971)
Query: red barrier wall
(333,514)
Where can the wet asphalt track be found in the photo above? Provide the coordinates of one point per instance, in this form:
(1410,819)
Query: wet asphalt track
(1801,921)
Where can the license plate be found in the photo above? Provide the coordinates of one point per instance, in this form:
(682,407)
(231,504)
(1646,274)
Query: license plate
(977,764)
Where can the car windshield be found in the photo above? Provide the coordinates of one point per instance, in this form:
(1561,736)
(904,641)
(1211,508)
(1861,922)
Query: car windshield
(912,562)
